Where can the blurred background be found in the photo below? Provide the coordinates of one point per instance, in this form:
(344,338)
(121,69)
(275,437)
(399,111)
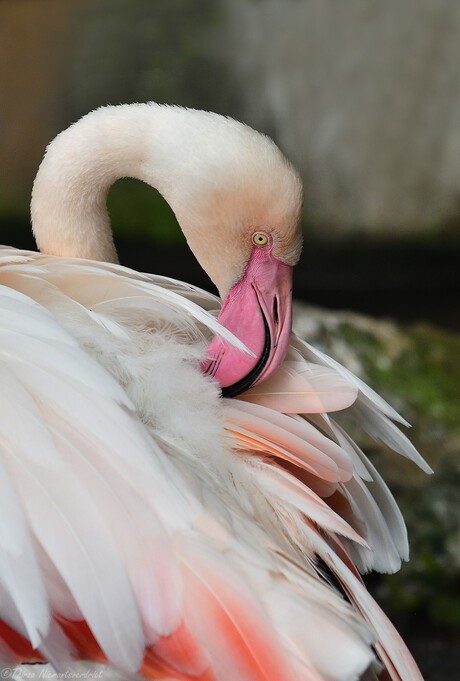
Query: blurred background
(364,98)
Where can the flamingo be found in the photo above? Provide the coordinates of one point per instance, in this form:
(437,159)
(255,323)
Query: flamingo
(177,498)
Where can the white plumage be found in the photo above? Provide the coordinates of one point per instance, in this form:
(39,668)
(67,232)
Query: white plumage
(145,520)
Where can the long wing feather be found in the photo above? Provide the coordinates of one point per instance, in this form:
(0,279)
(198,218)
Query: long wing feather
(310,353)
(300,387)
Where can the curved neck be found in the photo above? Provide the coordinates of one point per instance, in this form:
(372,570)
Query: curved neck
(68,207)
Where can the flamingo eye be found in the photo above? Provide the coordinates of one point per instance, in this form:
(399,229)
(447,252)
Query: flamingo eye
(259,239)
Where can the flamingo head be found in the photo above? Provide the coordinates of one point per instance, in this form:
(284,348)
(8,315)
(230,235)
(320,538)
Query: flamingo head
(242,221)
(258,311)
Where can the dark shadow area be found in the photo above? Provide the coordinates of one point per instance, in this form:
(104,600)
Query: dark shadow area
(435,649)
(437,654)
(406,280)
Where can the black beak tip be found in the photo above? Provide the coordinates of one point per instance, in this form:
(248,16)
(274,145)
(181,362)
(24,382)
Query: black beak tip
(248,381)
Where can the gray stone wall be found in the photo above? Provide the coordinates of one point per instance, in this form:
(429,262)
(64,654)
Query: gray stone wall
(364,95)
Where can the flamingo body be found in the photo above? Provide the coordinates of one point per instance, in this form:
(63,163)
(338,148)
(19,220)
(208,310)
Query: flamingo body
(147,522)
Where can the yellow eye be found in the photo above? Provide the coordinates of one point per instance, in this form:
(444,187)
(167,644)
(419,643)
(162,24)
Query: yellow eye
(259,239)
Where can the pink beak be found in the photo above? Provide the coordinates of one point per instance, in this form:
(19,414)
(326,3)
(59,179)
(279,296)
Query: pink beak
(258,311)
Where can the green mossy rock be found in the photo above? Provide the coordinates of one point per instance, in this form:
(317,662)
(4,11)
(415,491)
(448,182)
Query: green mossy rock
(417,369)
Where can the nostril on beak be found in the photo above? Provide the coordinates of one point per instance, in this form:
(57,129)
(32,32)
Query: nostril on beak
(275,311)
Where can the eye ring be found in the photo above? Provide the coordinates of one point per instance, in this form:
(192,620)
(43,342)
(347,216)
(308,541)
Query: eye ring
(260,239)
